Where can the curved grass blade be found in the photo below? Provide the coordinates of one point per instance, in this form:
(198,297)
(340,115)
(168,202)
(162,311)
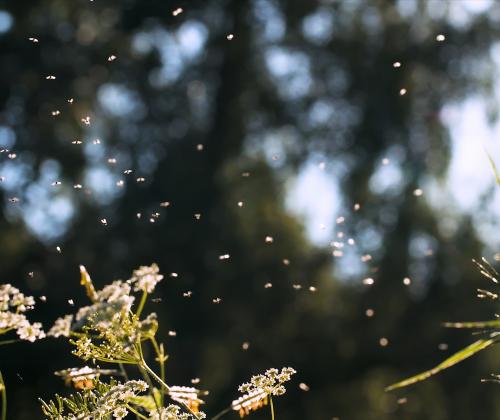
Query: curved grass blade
(479,324)
(494,167)
(453,360)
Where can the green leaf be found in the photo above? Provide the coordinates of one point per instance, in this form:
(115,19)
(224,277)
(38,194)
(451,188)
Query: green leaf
(494,167)
(453,360)
(144,401)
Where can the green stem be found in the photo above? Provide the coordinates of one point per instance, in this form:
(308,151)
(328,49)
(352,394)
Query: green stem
(165,387)
(151,387)
(145,371)
(272,407)
(136,412)
(9,342)
(3,390)
(123,371)
(141,304)
(77,334)
(219,415)
(125,362)
(160,354)
(155,377)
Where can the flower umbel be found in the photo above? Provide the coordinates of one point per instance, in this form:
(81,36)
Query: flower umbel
(13,305)
(186,395)
(62,327)
(115,342)
(146,278)
(103,401)
(112,330)
(173,412)
(83,378)
(251,401)
(271,382)
(260,389)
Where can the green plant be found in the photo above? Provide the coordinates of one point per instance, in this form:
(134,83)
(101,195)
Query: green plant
(113,330)
(13,308)
(490,329)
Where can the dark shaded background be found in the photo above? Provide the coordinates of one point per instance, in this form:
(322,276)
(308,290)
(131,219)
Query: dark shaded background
(300,79)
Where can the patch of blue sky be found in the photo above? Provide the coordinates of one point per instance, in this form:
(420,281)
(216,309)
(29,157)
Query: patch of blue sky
(388,178)
(291,71)
(102,182)
(6,21)
(272,24)
(46,210)
(47,215)
(315,197)
(7,137)
(119,101)
(318,26)
(176,49)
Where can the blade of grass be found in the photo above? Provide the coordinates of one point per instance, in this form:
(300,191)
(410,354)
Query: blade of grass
(494,167)
(3,390)
(478,324)
(453,360)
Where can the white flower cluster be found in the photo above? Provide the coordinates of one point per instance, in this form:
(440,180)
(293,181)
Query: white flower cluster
(270,383)
(260,388)
(116,399)
(251,401)
(30,332)
(146,278)
(174,412)
(12,298)
(114,338)
(13,305)
(62,327)
(110,302)
(84,348)
(78,374)
(118,291)
(186,395)
(83,377)
(113,300)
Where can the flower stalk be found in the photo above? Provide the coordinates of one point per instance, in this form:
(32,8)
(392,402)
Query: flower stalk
(141,304)
(109,330)
(3,391)
(161,357)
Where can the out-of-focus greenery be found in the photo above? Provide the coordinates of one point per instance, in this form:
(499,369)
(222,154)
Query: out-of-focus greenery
(299,79)
(488,329)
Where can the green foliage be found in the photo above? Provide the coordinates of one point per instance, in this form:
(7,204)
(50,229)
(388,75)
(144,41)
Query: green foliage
(109,331)
(81,404)
(451,361)
(493,337)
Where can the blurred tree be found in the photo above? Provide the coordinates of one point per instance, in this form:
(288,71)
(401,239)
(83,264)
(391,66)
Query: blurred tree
(218,105)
